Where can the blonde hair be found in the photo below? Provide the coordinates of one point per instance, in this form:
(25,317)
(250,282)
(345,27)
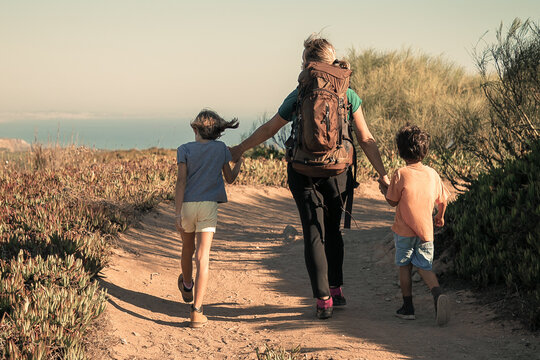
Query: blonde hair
(210,125)
(319,49)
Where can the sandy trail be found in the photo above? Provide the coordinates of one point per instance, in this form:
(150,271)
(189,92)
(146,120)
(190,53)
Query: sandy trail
(259,293)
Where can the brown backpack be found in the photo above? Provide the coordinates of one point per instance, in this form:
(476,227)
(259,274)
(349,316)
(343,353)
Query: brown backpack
(320,144)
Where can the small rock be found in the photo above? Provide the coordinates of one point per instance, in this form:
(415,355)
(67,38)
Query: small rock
(136,334)
(152,275)
(387,299)
(123,341)
(290,233)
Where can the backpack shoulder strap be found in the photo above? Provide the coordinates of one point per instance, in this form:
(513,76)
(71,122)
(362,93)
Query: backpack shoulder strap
(353,182)
(351,185)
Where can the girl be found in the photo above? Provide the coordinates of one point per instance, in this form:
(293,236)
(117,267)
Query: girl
(199,189)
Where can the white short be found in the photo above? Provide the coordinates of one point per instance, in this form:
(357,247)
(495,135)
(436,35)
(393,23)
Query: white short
(199,216)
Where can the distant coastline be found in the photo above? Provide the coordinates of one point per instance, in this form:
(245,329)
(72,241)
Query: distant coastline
(109,134)
(14,145)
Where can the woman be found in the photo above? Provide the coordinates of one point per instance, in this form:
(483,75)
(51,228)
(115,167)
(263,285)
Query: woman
(319,200)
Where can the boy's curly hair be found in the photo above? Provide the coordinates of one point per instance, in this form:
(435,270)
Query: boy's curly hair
(412,143)
(210,125)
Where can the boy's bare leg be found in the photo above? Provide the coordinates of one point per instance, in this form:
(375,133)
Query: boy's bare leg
(188,248)
(429,278)
(202,259)
(440,301)
(405,280)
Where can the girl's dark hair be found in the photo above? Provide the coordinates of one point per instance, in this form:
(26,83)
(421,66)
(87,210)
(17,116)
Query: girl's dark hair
(210,125)
(412,143)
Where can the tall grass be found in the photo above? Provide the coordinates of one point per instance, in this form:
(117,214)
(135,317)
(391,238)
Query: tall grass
(509,71)
(400,87)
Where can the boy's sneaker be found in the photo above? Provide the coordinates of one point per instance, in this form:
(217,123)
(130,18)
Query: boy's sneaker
(325,308)
(443,310)
(337,296)
(407,314)
(196,317)
(187,294)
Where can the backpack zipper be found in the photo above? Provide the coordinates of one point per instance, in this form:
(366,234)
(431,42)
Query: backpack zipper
(327,120)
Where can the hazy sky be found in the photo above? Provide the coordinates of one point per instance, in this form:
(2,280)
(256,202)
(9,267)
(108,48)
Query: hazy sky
(166,59)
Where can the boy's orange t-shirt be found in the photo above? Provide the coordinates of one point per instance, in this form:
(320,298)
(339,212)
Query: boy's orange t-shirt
(416,188)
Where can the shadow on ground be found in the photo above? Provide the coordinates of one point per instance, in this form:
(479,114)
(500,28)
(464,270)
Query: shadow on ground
(369,276)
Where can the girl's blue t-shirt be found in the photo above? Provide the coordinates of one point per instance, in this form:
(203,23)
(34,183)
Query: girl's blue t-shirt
(204,162)
(286,109)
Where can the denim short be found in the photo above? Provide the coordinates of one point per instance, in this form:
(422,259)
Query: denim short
(411,249)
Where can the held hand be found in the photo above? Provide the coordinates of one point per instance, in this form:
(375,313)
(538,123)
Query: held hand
(240,161)
(383,189)
(384,180)
(439,221)
(236,153)
(178,223)
(384,183)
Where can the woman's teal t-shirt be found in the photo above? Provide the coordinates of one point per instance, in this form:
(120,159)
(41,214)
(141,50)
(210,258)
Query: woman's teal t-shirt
(286,109)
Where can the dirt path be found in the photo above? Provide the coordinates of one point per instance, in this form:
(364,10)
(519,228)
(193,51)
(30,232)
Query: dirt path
(259,293)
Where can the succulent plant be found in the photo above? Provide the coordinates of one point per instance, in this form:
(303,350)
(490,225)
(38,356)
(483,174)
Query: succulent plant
(495,228)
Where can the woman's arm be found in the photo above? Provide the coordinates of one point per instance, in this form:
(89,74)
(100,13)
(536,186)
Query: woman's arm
(263,133)
(369,145)
(231,175)
(179,194)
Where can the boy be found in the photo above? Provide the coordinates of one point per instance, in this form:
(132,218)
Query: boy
(413,190)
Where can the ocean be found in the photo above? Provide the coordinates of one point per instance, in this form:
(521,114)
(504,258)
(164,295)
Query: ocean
(111,134)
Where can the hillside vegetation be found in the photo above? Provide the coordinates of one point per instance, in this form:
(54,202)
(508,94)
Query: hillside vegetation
(60,209)
(400,87)
(494,226)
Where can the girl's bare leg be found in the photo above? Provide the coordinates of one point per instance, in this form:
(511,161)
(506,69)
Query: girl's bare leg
(188,248)
(202,259)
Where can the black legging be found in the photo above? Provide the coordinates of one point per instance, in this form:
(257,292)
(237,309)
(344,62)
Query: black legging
(320,202)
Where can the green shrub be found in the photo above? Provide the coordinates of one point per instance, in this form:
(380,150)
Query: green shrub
(58,209)
(495,229)
(46,306)
(265,152)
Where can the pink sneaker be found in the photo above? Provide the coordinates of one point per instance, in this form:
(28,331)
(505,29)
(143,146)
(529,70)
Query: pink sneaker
(337,296)
(325,308)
